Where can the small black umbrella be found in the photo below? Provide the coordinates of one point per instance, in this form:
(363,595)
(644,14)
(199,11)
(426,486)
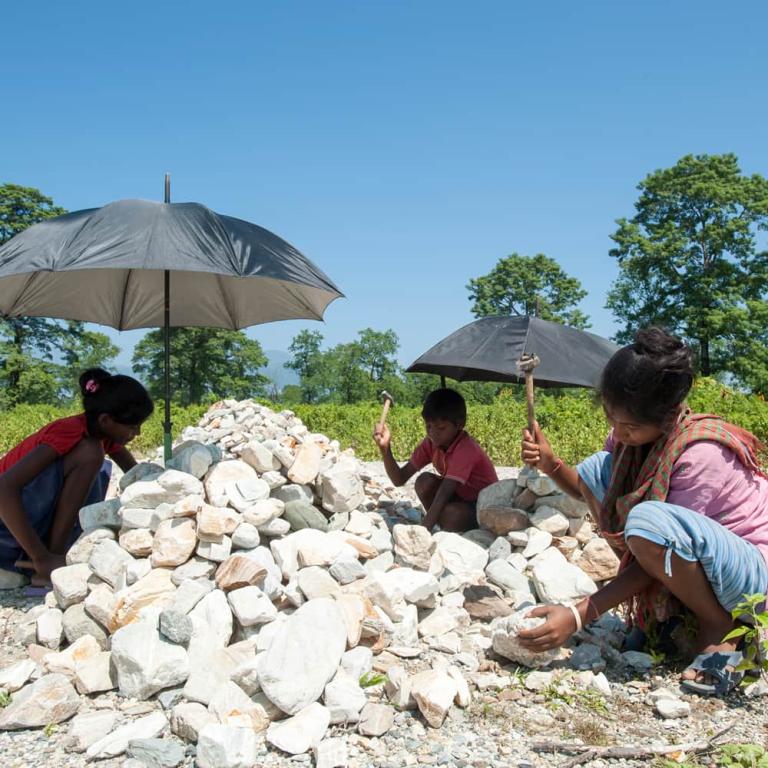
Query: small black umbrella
(143,264)
(497,349)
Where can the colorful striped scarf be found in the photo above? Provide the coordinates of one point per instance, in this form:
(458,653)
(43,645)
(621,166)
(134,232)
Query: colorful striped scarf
(642,474)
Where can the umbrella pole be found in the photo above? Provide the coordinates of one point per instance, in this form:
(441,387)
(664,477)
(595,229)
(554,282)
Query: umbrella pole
(167,441)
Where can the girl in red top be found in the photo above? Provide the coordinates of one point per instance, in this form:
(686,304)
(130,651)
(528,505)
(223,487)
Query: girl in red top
(48,476)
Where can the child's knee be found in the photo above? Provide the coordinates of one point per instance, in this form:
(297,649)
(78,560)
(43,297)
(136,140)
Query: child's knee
(426,483)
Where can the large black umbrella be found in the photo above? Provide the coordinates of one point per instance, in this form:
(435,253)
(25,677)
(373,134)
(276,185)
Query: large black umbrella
(490,349)
(143,264)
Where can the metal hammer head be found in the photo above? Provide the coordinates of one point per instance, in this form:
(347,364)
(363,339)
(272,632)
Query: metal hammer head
(384,396)
(527,363)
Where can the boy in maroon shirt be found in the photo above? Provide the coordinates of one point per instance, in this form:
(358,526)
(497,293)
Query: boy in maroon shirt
(463,467)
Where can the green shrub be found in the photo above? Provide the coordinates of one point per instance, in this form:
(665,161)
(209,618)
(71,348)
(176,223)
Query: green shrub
(571,419)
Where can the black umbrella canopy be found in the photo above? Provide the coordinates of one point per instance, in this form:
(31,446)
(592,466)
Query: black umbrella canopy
(107,265)
(488,350)
(144,264)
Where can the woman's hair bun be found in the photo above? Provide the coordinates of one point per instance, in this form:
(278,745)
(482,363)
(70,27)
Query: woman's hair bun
(670,354)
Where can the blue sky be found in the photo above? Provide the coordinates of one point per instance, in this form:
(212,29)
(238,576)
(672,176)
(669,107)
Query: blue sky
(404,147)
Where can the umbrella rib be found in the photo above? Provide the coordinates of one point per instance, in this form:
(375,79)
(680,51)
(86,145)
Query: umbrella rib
(125,293)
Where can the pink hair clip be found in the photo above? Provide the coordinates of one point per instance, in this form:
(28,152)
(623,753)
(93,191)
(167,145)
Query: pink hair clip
(91,386)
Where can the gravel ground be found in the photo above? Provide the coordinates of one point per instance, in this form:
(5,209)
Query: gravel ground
(498,728)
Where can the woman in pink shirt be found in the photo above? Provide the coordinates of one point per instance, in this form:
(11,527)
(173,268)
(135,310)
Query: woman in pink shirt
(680,498)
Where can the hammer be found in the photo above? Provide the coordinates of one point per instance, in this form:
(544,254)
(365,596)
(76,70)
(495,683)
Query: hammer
(387,399)
(525,365)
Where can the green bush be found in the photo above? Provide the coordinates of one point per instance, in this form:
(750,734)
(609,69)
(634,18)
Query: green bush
(572,420)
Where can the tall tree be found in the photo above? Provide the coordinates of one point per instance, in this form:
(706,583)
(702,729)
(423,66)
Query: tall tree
(81,349)
(528,285)
(307,362)
(378,350)
(205,362)
(24,338)
(689,260)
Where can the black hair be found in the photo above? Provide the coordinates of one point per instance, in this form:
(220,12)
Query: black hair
(121,397)
(445,404)
(649,378)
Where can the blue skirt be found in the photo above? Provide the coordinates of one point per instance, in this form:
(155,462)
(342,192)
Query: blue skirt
(39,498)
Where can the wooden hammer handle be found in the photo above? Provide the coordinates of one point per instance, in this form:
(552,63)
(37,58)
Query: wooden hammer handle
(529,401)
(384,412)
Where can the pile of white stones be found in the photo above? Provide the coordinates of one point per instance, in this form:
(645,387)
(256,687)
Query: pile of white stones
(258,585)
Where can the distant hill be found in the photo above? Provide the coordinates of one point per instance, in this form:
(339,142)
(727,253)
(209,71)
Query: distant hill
(276,369)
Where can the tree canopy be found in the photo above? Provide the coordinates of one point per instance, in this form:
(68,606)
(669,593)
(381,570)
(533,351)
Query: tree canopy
(205,362)
(688,260)
(529,285)
(40,358)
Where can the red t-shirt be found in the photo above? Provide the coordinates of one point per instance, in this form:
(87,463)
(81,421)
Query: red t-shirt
(464,461)
(61,435)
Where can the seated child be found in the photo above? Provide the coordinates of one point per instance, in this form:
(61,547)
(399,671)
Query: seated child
(681,499)
(48,476)
(463,468)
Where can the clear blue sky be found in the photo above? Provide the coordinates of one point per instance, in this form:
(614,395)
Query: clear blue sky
(404,147)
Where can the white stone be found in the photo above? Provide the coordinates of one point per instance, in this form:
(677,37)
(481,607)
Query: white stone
(344,698)
(416,586)
(442,620)
(294,672)
(413,545)
(570,507)
(302,732)
(463,696)
(331,753)
(434,692)
(460,556)
(13,677)
(538,541)
(670,708)
(70,584)
(50,699)
(316,582)
(215,522)
(188,719)
(505,642)
(514,584)
(273,479)
(109,562)
(251,606)
(50,628)
(357,661)
(103,514)
(306,465)
(259,457)
(144,470)
(145,662)
(550,520)
(88,728)
(180,484)
(193,458)
(216,551)
(95,674)
(174,542)
(232,706)
(115,743)
(398,688)
(224,746)
(342,490)
(385,594)
(542,485)
(195,568)
(223,473)
(347,570)
(136,541)
(80,551)
(245,536)
(359,524)
(243,494)
(155,589)
(147,494)
(214,613)
(558,581)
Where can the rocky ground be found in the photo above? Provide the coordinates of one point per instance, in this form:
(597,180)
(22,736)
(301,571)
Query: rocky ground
(281,611)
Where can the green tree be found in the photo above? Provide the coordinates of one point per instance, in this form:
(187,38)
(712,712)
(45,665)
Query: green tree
(689,260)
(529,285)
(378,350)
(81,349)
(23,340)
(205,362)
(307,362)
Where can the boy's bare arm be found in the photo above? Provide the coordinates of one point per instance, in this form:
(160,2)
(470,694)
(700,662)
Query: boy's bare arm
(445,493)
(124,459)
(397,474)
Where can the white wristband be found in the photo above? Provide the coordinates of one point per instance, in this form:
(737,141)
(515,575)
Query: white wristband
(577,616)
